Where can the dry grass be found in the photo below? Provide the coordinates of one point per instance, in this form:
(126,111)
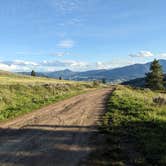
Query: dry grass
(20,94)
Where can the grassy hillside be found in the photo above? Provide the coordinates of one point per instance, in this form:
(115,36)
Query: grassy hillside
(136,123)
(139,82)
(21,94)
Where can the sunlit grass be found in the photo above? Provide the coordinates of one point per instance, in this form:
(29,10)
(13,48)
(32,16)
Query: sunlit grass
(22,94)
(15,79)
(133,116)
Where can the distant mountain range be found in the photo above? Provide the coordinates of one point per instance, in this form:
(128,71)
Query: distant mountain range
(111,75)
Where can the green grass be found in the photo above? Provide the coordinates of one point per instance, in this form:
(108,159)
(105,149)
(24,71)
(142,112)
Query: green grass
(22,94)
(10,78)
(136,127)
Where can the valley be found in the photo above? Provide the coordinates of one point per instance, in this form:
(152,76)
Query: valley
(115,75)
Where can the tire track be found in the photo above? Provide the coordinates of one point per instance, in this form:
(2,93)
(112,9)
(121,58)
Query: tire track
(55,135)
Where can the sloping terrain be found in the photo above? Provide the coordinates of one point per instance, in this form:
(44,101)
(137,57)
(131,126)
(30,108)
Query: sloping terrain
(21,94)
(138,82)
(136,126)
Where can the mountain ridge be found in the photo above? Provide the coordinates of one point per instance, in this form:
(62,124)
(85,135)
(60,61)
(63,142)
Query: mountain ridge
(120,74)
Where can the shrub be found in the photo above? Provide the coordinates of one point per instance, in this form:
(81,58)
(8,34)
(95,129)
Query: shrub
(96,83)
(159,100)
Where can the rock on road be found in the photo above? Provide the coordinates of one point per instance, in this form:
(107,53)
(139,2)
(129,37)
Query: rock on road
(56,135)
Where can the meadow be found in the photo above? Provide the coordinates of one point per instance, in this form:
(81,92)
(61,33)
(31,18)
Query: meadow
(21,94)
(135,124)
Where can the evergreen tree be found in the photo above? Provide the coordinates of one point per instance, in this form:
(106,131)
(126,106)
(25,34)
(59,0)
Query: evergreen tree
(103,81)
(155,78)
(33,73)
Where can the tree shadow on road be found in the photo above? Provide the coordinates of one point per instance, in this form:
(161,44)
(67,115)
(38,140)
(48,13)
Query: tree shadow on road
(51,145)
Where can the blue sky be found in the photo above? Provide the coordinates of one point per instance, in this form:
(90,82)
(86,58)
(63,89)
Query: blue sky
(52,35)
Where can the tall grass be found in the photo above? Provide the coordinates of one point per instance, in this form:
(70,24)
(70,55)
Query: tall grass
(137,125)
(22,94)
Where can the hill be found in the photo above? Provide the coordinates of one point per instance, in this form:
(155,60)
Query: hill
(6,73)
(20,94)
(138,82)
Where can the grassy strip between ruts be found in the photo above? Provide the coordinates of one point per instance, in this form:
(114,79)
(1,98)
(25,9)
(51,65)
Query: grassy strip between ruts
(136,128)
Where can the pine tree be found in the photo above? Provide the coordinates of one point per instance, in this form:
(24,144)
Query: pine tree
(155,78)
(33,73)
(103,81)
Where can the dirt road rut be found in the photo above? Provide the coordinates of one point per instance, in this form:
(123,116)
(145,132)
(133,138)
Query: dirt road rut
(57,135)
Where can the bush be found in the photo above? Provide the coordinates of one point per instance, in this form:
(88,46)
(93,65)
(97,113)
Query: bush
(96,83)
(159,100)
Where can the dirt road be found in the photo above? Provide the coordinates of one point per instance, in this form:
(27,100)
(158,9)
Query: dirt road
(57,135)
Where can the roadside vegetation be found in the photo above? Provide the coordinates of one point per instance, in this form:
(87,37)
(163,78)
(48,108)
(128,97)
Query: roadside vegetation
(21,94)
(133,129)
(136,128)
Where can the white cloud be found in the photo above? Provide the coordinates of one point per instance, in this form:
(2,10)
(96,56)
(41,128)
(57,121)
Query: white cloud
(70,64)
(60,54)
(78,65)
(28,53)
(54,65)
(71,22)
(103,65)
(21,62)
(65,6)
(162,55)
(69,44)
(66,44)
(142,54)
(20,65)
(7,67)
